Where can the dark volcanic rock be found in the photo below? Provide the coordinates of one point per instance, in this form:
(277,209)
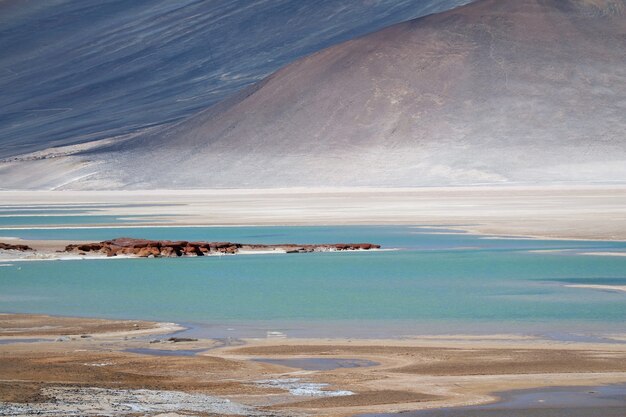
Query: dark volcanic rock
(8,246)
(181,339)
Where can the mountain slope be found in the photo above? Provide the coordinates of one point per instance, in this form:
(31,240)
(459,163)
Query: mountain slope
(72,71)
(498,91)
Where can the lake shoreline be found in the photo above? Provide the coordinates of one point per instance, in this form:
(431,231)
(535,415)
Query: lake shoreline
(606,400)
(544,212)
(401,375)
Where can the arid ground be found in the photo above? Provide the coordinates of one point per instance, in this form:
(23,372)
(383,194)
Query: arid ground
(565,212)
(79,355)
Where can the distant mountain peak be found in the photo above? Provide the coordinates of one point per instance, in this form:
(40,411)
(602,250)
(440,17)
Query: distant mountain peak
(497,91)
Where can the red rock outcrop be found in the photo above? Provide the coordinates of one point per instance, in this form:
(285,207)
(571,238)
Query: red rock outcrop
(144,248)
(8,246)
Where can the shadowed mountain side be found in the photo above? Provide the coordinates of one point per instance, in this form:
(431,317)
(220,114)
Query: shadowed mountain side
(523,91)
(72,71)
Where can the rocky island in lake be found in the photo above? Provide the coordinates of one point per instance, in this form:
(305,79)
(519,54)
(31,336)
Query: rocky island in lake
(145,248)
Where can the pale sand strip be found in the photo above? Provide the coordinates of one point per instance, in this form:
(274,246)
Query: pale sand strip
(604,253)
(583,212)
(617,288)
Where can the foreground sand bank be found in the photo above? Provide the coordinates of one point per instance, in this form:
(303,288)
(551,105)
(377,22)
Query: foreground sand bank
(572,212)
(42,326)
(407,374)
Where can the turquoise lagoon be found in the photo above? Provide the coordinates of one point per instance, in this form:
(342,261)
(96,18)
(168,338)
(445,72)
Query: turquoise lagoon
(435,281)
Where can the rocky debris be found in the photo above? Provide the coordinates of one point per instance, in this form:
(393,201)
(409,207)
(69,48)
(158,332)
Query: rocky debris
(181,339)
(21,248)
(291,248)
(91,401)
(144,248)
(352,246)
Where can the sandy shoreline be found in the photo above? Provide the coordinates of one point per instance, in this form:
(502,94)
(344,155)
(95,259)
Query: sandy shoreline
(566,212)
(408,374)
(46,326)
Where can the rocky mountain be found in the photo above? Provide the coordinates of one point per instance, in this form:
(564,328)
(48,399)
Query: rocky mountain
(497,91)
(72,71)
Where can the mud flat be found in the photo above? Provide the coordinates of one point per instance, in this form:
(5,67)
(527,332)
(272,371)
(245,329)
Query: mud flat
(89,363)
(606,401)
